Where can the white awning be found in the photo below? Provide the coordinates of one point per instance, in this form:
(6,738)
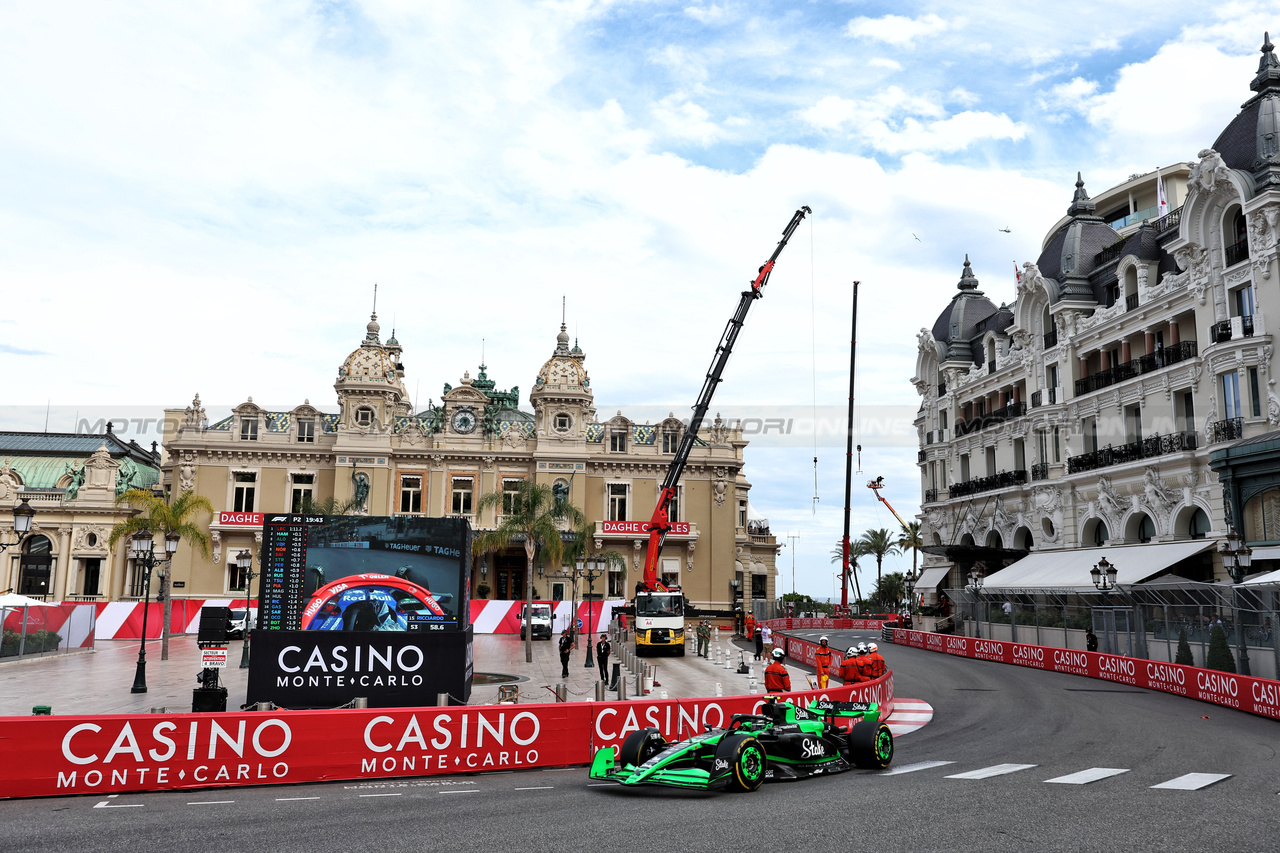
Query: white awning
(1266,553)
(1268,577)
(930,578)
(1070,567)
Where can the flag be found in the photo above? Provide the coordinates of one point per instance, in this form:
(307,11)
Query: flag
(1016,274)
(1162,203)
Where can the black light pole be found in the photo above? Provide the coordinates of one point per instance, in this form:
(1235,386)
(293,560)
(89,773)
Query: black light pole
(245,561)
(590,570)
(1238,557)
(975,587)
(22,516)
(144,558)
(1104,578)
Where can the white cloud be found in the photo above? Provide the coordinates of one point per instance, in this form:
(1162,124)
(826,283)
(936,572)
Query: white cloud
(947,135)
(884,62)
(685,120)
(897,30)
(713,14)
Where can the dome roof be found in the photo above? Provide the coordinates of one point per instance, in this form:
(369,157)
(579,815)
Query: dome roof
(969,308)
(564,370)
(1070,253)
(1248,143)
(1144,245)
(371,362)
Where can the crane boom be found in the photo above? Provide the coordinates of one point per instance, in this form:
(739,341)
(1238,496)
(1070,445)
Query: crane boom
(660,525)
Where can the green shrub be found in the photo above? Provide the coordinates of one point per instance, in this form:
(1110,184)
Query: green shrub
(1080,621)
(9,643)
(1219,657)
(1184,651)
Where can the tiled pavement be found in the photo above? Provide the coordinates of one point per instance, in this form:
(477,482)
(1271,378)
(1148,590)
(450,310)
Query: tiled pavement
(99,682)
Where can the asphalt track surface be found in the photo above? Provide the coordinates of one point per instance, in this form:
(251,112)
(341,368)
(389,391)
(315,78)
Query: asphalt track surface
(988,717)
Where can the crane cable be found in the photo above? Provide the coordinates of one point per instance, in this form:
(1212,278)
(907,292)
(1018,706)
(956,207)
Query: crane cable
(813,343)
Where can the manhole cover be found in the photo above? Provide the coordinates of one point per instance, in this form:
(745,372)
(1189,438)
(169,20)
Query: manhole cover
(494,678)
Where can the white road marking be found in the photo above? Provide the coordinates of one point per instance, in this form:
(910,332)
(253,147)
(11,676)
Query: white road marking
(600,784)
(1084,777)
(294,799)
(468,791)
(912,768)
(1192,781)
(118,806)
(538,788)
(993,770)
(385,795)
(211,802)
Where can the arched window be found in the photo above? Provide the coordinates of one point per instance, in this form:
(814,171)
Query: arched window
(1198,527)
(1235,237)
(36,573)
(1097,533)
(1146,529)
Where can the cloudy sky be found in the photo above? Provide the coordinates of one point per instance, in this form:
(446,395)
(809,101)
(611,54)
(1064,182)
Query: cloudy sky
(200,197)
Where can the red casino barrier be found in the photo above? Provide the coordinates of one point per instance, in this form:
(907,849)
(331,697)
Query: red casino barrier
(47,756)
(1255,695)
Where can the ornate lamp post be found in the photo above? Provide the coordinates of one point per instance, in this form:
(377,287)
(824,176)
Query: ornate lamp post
(1237,556)
(22,517)
(1104,577)
(590,569)
(245,561)
(975,587)
(144,557)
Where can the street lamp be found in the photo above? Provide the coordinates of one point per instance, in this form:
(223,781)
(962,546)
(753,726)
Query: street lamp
(1104,576)
(144,558)
(975,587)
(22,516)
(591,569)
(1237,556)
(245,561)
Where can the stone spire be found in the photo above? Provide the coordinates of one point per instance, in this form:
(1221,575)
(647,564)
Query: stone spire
(562,342)
(1268,77)
(968,281)
(371,331)
(1081,205)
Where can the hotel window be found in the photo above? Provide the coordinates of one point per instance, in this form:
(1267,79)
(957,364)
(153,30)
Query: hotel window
(411,494)
(306,430)
(742,514)
(301,491)
(245,485)
(1231,395)
(618,501)
(673,508)
(462,489)
(670,442)
(1255,399)
(562,422)
(759,586)
(364,416)
(510,496)
(249,429)
(618,441)
(964,467)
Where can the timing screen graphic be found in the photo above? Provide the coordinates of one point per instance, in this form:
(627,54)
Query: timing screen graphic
(376,573)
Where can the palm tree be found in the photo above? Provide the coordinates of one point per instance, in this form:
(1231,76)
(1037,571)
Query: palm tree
(890,590)
(857,548)
(329,506)
(579,549)
(878,543)
(535,518)
(163,518)
(911,538)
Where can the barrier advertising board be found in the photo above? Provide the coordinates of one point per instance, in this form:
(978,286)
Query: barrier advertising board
(1255,695)
(44,756)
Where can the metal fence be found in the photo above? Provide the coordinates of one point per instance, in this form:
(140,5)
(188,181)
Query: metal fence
(1142,620)
(31,631)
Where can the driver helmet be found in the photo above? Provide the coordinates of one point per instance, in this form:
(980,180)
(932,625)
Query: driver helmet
(779,654)
(871,647)
(823,640)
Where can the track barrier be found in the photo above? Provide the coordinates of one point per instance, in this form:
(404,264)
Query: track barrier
(48,756)
(1259,696)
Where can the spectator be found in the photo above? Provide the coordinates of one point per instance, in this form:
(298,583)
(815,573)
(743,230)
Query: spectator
(603,648)
(758,636)
(767,637)
(566,648)
(1091,641)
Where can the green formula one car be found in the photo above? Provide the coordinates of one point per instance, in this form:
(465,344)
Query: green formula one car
(782,742)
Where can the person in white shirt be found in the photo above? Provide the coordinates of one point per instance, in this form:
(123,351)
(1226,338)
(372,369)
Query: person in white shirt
(767,635)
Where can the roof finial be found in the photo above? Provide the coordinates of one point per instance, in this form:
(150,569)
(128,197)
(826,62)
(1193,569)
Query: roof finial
(1080,203)
(564,302)
(1268,76)
(968,281)
(375,299)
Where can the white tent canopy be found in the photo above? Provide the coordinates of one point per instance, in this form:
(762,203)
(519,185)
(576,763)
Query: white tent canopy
(1070,567)
(12,601)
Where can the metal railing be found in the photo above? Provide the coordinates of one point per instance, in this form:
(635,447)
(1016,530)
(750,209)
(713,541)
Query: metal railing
(1040,471)
(920,456)
(1140,365)
(995,416)
(1237,252)
(1051,339)
(1147,448)
(1035,399)
(991,366)
(1131,302)
(1228,429)
(932,496)
(1170,220)
(986,484)
(942,389)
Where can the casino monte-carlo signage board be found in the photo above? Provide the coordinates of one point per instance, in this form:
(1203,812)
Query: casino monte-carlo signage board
(367,602)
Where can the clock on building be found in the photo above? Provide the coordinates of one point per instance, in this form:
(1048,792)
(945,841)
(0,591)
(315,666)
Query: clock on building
(464,421)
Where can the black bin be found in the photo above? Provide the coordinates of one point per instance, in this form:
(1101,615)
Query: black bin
(208,699)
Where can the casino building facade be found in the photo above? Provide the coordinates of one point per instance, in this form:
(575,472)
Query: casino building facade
(1100,405)
(376,451)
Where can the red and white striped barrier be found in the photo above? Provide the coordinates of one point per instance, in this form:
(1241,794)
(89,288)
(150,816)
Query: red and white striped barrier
(1255,695)
(47,756)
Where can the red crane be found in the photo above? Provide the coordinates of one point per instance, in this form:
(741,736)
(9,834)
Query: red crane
(660,525)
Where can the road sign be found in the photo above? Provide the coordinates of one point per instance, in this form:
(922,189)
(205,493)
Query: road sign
(214,658)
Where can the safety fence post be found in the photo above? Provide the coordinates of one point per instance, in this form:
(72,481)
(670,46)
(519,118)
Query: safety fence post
(600,688)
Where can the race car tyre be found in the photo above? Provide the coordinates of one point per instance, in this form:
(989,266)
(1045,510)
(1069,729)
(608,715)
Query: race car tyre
(871,745)
(640,746)
(747,762)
